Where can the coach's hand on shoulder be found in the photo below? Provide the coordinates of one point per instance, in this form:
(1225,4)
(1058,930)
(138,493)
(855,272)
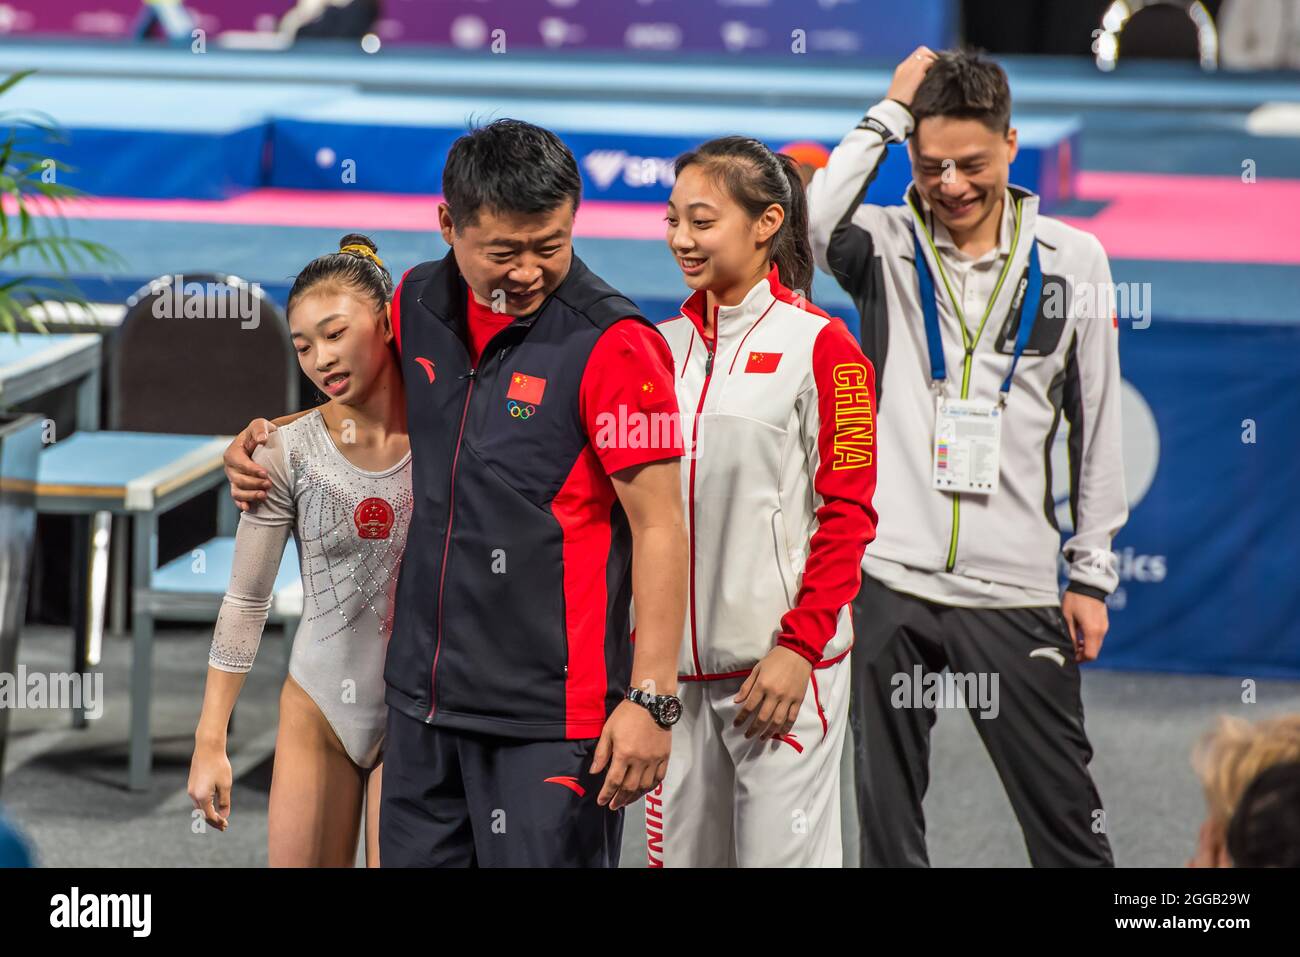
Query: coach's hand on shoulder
(909,74)
(773,693)
(248,480)
(1088,621)
(636,750)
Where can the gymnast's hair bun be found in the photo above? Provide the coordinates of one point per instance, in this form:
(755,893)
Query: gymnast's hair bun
(356,244)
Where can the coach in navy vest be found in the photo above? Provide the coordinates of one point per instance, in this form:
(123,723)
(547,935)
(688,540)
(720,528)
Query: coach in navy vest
(510,656)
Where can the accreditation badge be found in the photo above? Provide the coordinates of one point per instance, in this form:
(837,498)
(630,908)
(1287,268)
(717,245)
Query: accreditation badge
(967,445)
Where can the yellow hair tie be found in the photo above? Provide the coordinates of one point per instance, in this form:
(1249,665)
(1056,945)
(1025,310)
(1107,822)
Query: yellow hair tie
(362,250)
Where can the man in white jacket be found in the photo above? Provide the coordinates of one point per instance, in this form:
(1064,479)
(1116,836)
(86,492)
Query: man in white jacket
(986,322)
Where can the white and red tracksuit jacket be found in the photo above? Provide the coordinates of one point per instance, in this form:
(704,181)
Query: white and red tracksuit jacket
(778,422)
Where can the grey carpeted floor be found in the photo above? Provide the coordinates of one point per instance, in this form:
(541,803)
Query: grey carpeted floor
(66,789)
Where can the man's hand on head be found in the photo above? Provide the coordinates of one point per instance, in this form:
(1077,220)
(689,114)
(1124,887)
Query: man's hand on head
(909,74)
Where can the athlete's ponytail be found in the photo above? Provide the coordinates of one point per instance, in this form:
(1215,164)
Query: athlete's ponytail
(792,251)
(755,177)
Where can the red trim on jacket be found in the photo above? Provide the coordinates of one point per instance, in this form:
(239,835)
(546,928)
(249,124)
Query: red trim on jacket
(630,369)
(817,700)
(787,295)
(397,312)
(845,481)
(582,507)
(741,348)
(824,663)
(693,309)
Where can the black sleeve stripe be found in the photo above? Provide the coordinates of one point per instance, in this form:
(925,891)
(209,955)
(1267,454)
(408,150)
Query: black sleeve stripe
(1055,395)
(873,311)
(1072,404)
(849,254)
(1088,590)
(873,124)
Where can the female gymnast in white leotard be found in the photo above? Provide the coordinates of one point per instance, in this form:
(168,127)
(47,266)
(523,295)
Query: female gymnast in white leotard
(341,483)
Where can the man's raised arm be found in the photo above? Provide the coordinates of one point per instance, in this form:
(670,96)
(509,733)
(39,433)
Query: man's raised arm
(841,246)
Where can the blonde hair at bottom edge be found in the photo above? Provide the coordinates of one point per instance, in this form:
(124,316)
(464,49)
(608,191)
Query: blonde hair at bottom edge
(1229,757)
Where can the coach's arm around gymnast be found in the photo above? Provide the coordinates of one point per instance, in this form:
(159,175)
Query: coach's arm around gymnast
(249,482)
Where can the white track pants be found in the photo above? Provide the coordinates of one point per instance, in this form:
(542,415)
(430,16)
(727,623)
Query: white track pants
(729,802)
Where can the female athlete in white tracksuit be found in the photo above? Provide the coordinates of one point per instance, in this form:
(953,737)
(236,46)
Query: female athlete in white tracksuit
(778,412)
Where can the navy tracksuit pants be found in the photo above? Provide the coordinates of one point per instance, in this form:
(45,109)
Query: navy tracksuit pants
(462,799)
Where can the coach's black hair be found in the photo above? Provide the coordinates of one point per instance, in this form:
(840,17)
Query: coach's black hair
(508,166)
(356,266)
(964,84)
(755,177)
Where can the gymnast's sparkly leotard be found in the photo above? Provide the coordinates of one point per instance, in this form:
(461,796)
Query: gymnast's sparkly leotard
(350,528)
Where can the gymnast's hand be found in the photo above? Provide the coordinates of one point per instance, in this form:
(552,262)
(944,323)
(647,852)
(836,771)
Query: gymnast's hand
(249,482)
(210,783)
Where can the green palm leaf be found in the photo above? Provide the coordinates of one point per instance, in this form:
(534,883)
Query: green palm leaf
(33,223)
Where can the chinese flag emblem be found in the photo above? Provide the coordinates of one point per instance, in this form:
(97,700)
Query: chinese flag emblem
(526,388)
(763,361)
(647,387)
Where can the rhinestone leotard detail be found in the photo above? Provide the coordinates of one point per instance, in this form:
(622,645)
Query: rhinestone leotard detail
(350,529)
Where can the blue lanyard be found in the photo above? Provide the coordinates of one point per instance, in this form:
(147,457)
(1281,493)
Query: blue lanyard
(929,306)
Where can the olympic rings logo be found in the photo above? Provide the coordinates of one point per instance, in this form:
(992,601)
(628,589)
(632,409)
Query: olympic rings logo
(518,411)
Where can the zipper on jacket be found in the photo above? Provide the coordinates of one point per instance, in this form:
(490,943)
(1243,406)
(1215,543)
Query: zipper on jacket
(472,375)
(695,441)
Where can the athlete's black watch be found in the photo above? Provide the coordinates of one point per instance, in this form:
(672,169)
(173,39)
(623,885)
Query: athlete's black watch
(664,708)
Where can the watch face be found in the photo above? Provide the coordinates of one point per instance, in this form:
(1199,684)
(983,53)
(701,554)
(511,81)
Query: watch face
(670,709)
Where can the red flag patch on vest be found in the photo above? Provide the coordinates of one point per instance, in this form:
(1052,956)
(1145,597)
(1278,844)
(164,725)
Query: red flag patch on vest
(526,388)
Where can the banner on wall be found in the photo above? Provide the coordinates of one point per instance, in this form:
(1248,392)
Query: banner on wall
(1208,558)
(817,28)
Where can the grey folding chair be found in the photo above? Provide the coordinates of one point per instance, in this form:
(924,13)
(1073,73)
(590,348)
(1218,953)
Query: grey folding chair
(195,354)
